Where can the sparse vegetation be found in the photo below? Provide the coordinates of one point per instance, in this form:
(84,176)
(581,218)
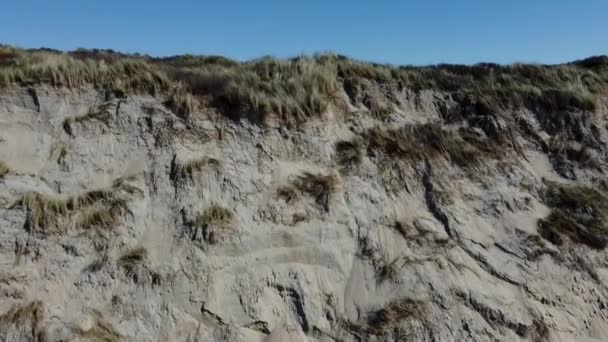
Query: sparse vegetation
(122,76)
(215,223)
(99,216)
(98,264)
(320,187)
(288,193)
(135,265)
(296,89)
(390,318)
(578,215)
(497,87)
(97,208)
(215,215)
(424,141)
(188,169)
(565,155)
(348,154)
(302,87)
(181,102)
(292,90)
(23,323)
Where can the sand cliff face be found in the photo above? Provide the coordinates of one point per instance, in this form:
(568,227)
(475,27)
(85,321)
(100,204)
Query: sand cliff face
(121,220)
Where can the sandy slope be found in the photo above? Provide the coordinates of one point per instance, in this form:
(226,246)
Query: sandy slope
(282,270)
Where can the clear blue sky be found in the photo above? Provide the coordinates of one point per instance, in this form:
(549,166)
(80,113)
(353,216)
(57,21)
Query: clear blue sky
(397,32)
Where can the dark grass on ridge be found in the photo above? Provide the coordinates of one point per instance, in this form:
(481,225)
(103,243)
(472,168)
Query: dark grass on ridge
(296,89)
(579,214)
(121,76)
(428,141)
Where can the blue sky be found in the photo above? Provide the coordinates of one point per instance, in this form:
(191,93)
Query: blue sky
(397,32)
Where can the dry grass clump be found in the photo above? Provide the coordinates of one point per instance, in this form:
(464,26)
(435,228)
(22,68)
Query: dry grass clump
(423,141)
(99,216)
(190,168)
(392,314)
(135,265)
(299,88)
(499,87)
(389,319)
(565,155)
(348,154)
(215,223)
(289,193)
(292,90)
(96,208)
(320,187)
(216,216)
(23,323)
(181,101)
(122,76)
(4,169)
(579,215)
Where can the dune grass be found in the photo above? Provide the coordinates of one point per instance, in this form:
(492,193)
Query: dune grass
(393,313)
(319,186)
(123,76)
(291,90)
(299,88)
(498,87)
(181,101)
(97,208)
(215,223)
(427,141)
(294,90)
(51,214)
(566,154)
(189,169)
(23,323)
(348,154)
(579,214)
(134,263)
(215,215)
(288,193)
(389,319)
